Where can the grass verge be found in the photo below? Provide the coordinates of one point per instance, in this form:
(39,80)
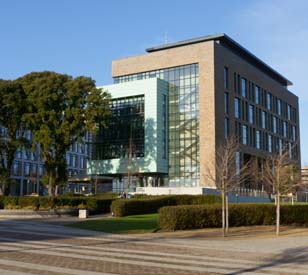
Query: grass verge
(124,225)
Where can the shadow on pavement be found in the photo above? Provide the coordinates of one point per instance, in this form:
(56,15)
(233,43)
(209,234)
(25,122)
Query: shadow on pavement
(296,256)
(25,230)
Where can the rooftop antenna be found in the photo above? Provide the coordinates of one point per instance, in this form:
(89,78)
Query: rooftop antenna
(166,37)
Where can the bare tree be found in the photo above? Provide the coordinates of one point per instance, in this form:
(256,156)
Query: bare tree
(228,173)
(281,173)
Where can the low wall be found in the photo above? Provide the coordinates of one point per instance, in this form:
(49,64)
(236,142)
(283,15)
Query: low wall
(24,213)
(196,191)
(170,190)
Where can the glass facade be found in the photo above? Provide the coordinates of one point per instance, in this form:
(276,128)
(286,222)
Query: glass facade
(124,132)
(184,168)
(28,167)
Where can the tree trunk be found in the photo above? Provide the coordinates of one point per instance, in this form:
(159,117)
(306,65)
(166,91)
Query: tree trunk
(277,214)
(51,190)
(56,190)
(227,213)
(95,186)
(223,213)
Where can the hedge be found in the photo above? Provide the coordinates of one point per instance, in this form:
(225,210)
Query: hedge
(200,216)
(125,207)
(95,204)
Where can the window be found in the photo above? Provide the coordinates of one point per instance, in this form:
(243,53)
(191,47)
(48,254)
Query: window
(68,158)
(280,146)
(284,129)
(237,112)
(185,82)
(41,170)
(125,134)
(164,130)
(28,135)
(237,162)
(294,133)
(17,168)
(263,122)
(19,153)
(244,87)
(3,132)
(257,94)
(270,143)
(244,134)
(33,169)
(226,78)
(258,143)
(269,101)
(289,111)
(26,154)
(27,169)
(279,106)
(275,128)
(74,160)
(226,130)
(226,103)
(251,114)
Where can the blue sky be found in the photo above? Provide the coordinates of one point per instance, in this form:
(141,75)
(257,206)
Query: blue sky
(81,37)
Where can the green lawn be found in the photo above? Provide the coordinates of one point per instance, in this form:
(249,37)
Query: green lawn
(124,225)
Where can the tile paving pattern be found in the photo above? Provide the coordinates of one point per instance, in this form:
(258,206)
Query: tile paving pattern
(35,247)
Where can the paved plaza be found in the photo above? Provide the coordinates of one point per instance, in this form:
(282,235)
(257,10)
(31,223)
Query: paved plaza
(40,247)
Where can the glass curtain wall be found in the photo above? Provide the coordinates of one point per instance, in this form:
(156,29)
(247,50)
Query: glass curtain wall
(184,168)
(124,133)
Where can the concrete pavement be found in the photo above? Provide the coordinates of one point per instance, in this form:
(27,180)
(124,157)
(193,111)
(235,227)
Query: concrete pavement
(37,247)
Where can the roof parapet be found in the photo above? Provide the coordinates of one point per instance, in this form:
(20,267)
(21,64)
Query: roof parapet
(231,44)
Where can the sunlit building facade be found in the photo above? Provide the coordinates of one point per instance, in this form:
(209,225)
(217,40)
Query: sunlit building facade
(216,88)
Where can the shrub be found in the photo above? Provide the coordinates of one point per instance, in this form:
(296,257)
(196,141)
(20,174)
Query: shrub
(124,207)
(101,205)
(65,201)
(294,214)
(29,202)
(46,203)
(108,195)
(95,204)
(202,216)
(252,214)
(11,202)
(189,217)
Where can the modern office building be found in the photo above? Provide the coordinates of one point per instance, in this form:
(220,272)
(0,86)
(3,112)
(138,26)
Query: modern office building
(28,166)
(194,93)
